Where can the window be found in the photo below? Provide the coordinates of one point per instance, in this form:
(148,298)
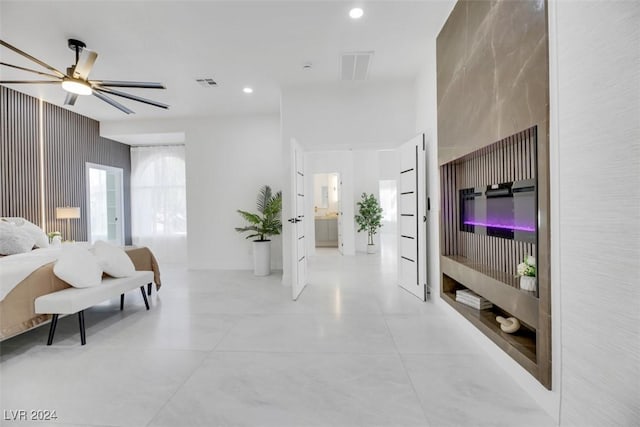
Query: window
(158,201)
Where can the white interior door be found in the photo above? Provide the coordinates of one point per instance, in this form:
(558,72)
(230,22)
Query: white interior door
(105,204)
(412,228)
(296,220)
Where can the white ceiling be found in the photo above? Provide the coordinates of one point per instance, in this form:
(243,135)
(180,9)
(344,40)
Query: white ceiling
(262,44)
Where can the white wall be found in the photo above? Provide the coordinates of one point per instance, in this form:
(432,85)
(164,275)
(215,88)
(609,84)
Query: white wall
(227,160)
(595,136)
(349,115)
(389,164)
(389,167)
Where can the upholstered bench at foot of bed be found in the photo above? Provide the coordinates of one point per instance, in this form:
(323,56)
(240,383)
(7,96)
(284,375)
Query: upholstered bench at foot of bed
(76,300)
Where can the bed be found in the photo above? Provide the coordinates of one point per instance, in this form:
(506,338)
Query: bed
(17,313)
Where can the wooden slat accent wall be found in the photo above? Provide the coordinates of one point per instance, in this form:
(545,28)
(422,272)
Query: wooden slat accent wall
(511,159)
(70,141)
(449,206)
(19,171)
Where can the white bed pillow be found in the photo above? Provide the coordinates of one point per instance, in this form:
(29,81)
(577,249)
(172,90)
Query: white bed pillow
(78,267)
(14,240)
(40,237)
(113,260)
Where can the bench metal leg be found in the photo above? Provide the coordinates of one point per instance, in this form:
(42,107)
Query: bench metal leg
(121,302)
(149,288)
(83,337)
(52,328)
(144,295)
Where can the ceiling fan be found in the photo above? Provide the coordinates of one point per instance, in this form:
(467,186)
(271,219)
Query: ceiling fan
(76,81)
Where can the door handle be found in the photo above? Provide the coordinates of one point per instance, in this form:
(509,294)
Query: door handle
(294,220)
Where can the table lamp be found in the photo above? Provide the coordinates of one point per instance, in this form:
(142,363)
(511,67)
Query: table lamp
(68,213)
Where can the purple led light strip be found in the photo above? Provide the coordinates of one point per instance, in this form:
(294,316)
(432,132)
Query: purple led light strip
(504,226)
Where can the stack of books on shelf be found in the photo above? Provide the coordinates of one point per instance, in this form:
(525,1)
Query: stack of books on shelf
(467,297)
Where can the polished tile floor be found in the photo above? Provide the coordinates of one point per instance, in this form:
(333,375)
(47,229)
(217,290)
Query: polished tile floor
(225,348)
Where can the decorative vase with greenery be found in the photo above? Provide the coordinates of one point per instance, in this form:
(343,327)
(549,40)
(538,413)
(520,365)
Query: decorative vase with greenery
(527,272)
(55,238)
(267,222)
(369,218)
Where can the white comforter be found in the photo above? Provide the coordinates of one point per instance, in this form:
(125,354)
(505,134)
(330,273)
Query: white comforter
(15,268)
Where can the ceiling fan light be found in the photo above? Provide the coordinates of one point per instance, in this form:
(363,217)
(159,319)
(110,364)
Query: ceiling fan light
(356,13)
(77,87)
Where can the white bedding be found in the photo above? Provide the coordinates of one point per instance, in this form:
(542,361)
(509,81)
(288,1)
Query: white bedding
(15,268)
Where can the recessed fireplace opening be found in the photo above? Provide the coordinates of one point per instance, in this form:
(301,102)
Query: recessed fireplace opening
(506,210)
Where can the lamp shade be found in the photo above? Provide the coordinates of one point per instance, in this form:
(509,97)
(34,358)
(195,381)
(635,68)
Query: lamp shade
(67,213)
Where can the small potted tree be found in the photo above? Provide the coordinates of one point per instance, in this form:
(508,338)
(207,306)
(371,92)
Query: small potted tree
(369,219)
(265,223)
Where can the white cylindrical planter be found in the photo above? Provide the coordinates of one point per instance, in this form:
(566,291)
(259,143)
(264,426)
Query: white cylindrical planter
(527,283)
(262,257)
(371,249)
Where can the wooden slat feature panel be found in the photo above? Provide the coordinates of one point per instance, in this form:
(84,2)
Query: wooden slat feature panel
(69,142)
(19,152)
(511,159)
(72,140)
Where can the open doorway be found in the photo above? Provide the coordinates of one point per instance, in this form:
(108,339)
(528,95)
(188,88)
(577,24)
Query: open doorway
(388,190)
(105,203)
(327,218)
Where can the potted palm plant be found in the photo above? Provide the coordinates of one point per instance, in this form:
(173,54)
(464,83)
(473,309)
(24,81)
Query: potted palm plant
(262,225)
(369,219)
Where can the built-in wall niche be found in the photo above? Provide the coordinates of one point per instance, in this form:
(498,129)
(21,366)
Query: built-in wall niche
(507,210)
(491,173)
(490,223)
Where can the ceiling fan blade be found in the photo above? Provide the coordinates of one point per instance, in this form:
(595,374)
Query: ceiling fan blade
(85,64)
(140,85)
(29,70)
(20,82)
(133,97)
(37,61)
(108,100)
(70,99)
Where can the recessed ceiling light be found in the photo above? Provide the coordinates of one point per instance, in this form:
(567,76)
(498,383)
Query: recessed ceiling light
(247,90)
(356,13)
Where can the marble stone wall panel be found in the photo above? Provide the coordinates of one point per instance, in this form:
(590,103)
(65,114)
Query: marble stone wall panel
(492,63)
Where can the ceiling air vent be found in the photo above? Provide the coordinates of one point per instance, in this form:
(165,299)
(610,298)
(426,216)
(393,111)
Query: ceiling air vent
(206,82)
(355,65)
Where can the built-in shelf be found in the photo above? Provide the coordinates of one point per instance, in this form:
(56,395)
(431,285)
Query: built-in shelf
(500,288)
(521,346)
